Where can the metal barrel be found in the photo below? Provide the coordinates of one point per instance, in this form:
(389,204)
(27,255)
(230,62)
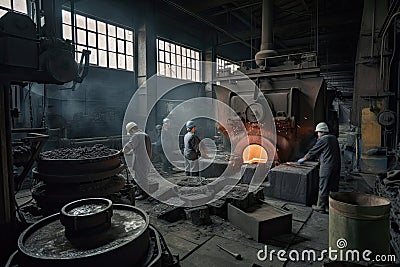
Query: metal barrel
(359,222)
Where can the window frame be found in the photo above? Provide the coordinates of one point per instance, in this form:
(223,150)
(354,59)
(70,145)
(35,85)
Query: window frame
(224,63)
(4,9)
(178,61)
(113,56)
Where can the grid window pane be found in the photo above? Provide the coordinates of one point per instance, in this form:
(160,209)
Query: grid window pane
(5,3)
(92,39)
(121,61)
(2,12)
(66,16)
(121,46)
(120,33)
(101,27)
(179,62)
(102,58)
(111,30)
(93,56)
(102,41)
(161,45)
(129,63)
(129,35)
(129,48)
(78,56)
(81,37)
(79,48)
(112,44)
(112,60)
(67,32)
(226,66)
(20,6)
(80,21)
(91,24)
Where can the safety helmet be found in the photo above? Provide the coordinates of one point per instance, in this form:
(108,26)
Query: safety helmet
(129,126)
(190,125)
(165,120)
(322,127)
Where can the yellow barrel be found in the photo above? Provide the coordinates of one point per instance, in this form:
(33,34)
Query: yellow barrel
(359,222)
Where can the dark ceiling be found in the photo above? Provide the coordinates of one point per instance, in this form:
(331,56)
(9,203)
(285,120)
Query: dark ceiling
(236,25)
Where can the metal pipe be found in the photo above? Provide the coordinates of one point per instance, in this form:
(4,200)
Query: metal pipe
(373,30)
(383,40)
(73,23)
(398,106)
(38,8)
(267,20)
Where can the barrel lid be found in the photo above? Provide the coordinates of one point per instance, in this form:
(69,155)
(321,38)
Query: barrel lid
(46,239)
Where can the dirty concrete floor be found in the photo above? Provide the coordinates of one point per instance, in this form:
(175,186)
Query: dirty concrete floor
(197,245)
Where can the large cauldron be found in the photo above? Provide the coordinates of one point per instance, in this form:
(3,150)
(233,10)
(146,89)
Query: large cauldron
(124,241)
(69,174)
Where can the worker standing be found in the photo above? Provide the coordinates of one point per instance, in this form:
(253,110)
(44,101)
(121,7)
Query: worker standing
(139,147)
(328,152)
(167,146)
(191,150)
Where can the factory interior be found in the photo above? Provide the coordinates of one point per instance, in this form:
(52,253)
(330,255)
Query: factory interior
(199,133)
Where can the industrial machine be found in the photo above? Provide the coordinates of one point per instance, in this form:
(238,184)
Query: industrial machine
(30,51)
(295,93)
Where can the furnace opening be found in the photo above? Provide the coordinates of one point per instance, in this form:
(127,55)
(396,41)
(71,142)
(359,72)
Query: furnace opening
(254,154)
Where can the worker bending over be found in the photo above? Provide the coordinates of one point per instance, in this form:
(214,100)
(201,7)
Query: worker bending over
(328,152)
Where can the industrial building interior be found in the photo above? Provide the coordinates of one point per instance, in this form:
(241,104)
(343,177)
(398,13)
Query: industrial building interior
(253,78)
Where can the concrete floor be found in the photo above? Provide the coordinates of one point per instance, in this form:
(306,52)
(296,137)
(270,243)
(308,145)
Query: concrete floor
(197,245)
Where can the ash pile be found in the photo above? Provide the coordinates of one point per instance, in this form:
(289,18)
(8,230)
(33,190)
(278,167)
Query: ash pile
(387,185)
(67,174)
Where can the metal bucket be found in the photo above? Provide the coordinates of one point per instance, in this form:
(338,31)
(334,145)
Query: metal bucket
(359,222)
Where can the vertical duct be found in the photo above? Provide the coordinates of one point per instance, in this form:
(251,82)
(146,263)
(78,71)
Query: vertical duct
(266,34)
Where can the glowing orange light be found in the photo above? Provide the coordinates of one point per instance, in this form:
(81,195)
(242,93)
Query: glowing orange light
(254,154)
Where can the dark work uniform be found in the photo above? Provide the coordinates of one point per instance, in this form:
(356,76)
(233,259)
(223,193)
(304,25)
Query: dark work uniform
(327,150)
(192,153)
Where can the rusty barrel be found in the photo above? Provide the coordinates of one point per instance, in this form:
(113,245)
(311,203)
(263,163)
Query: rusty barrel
(359,222)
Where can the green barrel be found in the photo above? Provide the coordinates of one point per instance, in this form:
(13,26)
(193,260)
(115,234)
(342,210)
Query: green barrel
(359,222)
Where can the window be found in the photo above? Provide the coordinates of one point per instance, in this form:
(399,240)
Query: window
(177,61)
(111,46)
(225,66)
(13,5)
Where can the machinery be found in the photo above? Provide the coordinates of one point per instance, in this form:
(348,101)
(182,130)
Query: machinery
(296,95)
(30,51)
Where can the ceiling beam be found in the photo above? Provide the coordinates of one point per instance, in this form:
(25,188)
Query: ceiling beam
(236,8)
(192,14)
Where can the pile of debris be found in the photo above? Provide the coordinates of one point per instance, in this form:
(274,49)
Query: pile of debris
(388,186)
(88,152)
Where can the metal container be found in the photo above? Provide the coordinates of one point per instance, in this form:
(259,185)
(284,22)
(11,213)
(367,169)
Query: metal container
(153,258)
(78,170)
(85,217)
(359,222)
(125,243)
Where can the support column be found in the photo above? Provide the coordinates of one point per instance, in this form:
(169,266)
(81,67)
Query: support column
(146,54)
(7,207)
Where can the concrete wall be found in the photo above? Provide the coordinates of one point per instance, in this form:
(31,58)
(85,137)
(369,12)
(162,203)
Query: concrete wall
(97,106)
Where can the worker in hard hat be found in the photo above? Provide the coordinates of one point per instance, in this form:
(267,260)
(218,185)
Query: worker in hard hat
(328,152)
(139,146)
(167,146)
(191,150)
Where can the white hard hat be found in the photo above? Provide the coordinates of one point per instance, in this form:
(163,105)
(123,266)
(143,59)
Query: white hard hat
(130,125)
(322,127)
(165,120)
